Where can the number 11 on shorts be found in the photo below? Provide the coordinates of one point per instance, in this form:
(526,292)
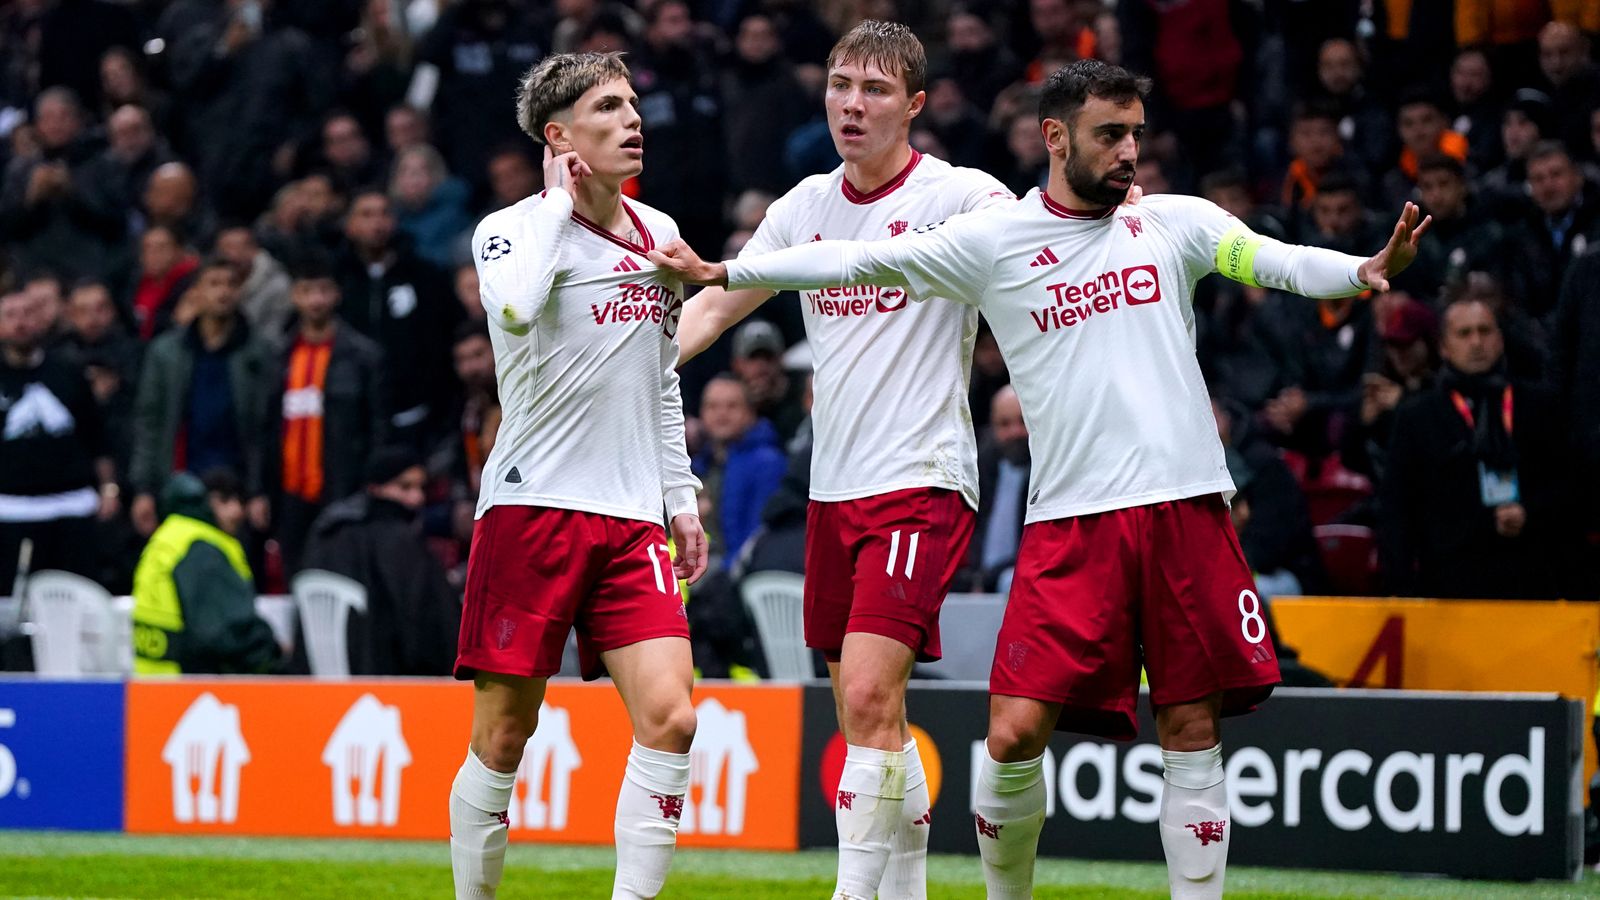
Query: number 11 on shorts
(894,552)
(661,567)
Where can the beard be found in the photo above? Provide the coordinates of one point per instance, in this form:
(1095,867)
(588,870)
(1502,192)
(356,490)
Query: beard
(1093,187)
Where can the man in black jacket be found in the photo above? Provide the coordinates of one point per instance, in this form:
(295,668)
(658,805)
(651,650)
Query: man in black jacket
(1475,502)
(1576,375)
(391,295)
(412,615)
(328,411)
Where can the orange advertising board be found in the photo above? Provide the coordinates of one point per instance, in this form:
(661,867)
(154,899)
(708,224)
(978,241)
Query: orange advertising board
(376,759)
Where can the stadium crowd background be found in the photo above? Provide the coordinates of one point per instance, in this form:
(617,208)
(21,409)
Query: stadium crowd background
(197,194)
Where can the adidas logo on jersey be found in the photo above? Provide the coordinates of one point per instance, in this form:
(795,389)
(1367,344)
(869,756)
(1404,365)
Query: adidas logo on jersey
(627,265)
(1046,257)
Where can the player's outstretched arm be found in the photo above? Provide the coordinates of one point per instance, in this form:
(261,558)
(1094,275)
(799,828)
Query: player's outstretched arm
(686,265)
(1400,252)
(711,312)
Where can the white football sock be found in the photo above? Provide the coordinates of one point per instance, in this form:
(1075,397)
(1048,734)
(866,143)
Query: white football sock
(1010,815)
(906,877)
(648,808)
(478,802)
(1194,823)
(872,791)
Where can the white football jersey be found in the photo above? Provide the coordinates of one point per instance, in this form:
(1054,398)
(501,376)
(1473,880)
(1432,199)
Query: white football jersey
(890,376)
(585,354)
(1094,316)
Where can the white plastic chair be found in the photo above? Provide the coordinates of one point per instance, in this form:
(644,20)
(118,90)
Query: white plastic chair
(76,627)
(324,600)
(776,601)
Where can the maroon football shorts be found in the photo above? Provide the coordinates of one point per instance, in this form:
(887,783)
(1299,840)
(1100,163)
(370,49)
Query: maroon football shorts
(882,565)
(1165,586)
(536,572)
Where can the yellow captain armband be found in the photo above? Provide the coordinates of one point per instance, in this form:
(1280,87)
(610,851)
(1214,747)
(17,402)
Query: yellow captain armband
(1236,254)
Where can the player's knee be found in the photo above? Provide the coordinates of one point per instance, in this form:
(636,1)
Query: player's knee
(500,742)
(1188,728)
(871,712)
(1015,740)
(669,728)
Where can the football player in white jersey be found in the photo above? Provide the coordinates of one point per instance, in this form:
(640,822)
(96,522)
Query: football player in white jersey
(590,459)
(1128,556)
(894,484)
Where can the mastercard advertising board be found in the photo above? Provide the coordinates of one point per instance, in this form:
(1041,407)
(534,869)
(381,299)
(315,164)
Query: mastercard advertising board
(376,759)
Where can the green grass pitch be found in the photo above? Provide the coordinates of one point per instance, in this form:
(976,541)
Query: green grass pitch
(61,865)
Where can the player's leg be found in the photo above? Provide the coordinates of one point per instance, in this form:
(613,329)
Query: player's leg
(655,678)
(1065,657)
(1208,652)
(1009,811)
(1194,805)
(868,809)
(505,712)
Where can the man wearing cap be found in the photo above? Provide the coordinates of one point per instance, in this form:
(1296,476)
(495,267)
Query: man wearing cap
(193,594)
(758,361)
(412,614)
(1406,328)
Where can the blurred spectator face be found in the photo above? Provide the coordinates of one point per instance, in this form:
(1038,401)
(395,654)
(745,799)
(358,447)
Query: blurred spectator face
(119,80)
(576,9)
(414,178)
(1010,432)
(90,312)
(946,103)
(1421,126)
(1554,182)
(158,251)
(408,489)
(315,299)
(227,511)
(370,224)
(512,178)
(318,198)
(1052,20)
(750,209)
(238,246)
(474,361)
(1316,141)
(1470,340)
(404,127)
(1563,52)
(19,327)
(1022,139)
(169,194)
(57,119)
(869,110)
(1443,193)
(343,144)
(466,285)
(671,27)
(757,41)
(48,303)
(1336,213)
(1108,38)
(25,142)
(1518,134)
(1470,76)
(1234,199)
(132,135)
(725,411)
(1338,67)
(1407,332)
(218,290)
(986,356)
(967,32)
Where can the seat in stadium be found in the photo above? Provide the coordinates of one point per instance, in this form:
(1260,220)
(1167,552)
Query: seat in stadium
(324,600)
(76,627)
(1350,554)
(968,624)
(776,603)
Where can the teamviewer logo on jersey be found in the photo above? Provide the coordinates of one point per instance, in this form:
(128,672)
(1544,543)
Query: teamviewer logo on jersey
(1141,284)
(364,756)
(206,750)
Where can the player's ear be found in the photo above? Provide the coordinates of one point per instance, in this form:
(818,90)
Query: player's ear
(918,100)
(1056,139)
(555,135)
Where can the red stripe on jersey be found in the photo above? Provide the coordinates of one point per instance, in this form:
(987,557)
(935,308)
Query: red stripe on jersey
(1066,213)
(646,241)
(883,190)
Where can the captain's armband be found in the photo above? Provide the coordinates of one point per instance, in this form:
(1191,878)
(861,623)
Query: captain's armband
(1236,254)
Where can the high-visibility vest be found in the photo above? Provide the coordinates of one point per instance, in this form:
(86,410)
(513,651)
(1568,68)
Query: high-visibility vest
(157,611)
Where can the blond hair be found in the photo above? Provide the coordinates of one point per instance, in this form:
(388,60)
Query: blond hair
(889,46)
(557,81)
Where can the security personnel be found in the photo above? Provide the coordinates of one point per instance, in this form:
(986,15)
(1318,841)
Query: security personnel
(193,596)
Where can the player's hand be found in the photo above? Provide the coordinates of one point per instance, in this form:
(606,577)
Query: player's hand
(1135,194)
(1401,250)
(690,539)
(681,260)
(564,172)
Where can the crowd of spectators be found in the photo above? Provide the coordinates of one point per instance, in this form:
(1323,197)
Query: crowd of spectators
(234,238)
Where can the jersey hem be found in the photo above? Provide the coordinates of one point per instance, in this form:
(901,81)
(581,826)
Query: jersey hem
(968,495)
(600,509)
(1048,514)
